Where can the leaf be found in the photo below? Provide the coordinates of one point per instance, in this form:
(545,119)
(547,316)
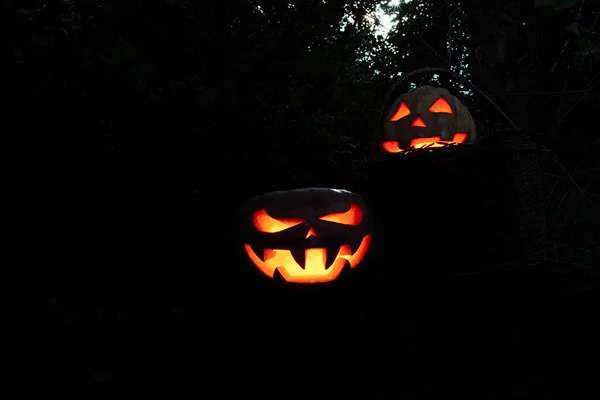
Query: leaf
(556,4)
(574,28)
(586,46)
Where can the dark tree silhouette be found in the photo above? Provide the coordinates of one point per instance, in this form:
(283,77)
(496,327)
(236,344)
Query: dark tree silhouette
(145,124)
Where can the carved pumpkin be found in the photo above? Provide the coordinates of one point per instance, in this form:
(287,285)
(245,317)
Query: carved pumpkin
(426,117)
(306,235)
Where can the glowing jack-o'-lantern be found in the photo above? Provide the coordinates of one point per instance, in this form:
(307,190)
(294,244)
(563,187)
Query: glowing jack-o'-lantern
(426,117)
(306,235)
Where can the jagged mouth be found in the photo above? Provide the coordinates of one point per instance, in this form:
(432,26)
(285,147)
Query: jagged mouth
(310,265)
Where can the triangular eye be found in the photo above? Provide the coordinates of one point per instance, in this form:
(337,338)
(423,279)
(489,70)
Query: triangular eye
(441,106)
(402,112)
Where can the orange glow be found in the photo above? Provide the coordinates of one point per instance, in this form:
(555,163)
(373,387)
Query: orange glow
(351,217)
(418,143)
(311,232)
(315,269)
(441,106)
(430,142)
(391,147)
(459,137)
(263,222)
(402,112)
(418,123)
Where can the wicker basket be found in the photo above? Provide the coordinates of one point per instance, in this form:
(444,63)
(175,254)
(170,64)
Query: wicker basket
(459,209)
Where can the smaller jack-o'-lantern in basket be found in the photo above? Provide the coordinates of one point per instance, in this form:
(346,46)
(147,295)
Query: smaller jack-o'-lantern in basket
(306,235)
(426,117)
(486,188)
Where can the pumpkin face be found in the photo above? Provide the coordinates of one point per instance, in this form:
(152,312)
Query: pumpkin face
(426,117)
(306,235)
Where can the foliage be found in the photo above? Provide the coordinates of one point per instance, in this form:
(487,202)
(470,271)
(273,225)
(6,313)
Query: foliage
(556,4)
(243,88)
(131,111)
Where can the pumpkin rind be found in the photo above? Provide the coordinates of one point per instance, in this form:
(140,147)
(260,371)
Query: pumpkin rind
(316,233)
(443,125)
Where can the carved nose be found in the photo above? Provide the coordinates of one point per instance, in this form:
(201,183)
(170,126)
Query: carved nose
(311,232)
(419,123)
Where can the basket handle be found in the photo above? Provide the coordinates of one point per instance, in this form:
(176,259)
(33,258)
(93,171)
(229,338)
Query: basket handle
(458,78)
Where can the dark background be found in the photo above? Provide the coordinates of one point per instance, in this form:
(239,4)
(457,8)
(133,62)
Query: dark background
(145,124)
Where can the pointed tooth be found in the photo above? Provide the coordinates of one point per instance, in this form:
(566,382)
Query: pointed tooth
(277,277)
(346,269)
(299,256)
(355,244)
(259,251)
(332,254)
